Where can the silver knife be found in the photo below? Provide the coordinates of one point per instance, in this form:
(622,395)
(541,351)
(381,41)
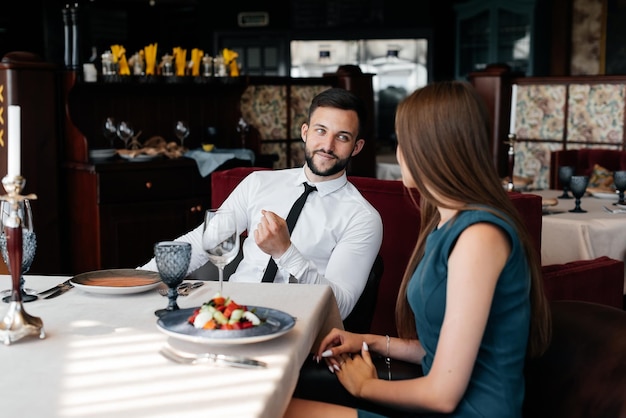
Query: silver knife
(54,288)
(64,287)
(188,358)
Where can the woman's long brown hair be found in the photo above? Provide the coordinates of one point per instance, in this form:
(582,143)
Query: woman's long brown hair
(443,134)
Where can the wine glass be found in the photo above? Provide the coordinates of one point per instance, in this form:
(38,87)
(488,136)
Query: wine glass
(619,178)
(29,245)
(181,130)
(220,238)
(125,132)
(172,260)
(578,186)
(565,174)
(109,130)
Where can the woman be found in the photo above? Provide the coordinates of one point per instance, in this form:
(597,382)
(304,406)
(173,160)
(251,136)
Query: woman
(472,290)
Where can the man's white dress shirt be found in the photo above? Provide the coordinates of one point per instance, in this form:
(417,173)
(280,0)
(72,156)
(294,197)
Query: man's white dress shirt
(335,240)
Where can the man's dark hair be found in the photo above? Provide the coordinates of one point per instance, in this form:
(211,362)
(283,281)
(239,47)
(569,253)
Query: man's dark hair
(341,99)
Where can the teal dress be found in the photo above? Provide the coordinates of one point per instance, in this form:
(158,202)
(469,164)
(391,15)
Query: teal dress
(496,387)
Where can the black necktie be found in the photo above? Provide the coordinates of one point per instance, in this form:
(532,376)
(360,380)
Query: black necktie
(292,218)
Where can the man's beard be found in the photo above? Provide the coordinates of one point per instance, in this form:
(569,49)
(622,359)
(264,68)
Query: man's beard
(336,168)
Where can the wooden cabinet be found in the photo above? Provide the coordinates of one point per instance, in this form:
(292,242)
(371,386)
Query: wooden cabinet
(117,210)
(120,209)
(494,31)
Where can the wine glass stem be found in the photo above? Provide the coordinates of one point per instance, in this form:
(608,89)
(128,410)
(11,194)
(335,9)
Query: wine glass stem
(221,278)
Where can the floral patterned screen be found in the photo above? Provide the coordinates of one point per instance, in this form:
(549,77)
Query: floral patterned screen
(559,116)
(265,108)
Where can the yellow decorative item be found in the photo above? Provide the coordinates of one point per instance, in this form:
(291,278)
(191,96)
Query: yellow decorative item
(150,56)
(196,59)
(208,147)
(180,60)
(230,59)
(119,57)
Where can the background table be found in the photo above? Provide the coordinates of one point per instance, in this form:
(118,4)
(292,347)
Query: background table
(567,236)
(100,356)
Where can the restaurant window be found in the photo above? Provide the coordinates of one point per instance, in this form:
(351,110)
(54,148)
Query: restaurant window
(399,66)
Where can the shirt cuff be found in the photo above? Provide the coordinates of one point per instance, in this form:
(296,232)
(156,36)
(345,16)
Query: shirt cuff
(293,262)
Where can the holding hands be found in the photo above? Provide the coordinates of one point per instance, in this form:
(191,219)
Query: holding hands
(339,349)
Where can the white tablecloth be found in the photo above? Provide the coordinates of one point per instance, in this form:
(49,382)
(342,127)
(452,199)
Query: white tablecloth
(568,236)
(100,356)
(208,162)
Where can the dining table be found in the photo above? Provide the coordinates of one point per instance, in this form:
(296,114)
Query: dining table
(100,356)
(569,236)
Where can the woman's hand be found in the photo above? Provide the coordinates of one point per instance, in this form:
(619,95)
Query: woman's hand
(338,345)
(337,342)
(355,370)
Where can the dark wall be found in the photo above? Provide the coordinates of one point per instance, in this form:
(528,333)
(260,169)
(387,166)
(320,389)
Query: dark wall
(37,25)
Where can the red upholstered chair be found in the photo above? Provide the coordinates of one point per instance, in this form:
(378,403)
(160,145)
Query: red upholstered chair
(583,161)
(598,281)
(223,182)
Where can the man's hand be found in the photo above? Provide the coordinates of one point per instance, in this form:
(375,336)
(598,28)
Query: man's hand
(272,234)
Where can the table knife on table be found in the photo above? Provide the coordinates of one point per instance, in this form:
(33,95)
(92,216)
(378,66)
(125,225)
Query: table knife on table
(58,290)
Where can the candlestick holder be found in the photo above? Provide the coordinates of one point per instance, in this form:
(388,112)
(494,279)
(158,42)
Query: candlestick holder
(511,143)
(17,323)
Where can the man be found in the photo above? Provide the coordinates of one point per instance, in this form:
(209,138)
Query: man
(338,233)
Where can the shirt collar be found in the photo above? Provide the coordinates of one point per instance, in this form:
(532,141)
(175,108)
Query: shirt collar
(323,187)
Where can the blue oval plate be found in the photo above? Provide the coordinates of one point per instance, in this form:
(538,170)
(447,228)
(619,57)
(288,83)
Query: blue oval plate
(275,323)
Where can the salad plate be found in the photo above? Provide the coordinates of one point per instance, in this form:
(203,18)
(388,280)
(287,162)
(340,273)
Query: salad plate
(604,195)
(275,323)
(116,281)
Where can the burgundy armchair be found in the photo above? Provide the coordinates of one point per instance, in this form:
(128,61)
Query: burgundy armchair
(600,281)
(584,371)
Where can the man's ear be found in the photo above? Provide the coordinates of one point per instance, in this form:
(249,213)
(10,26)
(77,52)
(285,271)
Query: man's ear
(358,146)
(303,131)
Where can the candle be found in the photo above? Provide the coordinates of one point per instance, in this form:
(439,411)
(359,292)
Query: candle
(14,142)
(513,109)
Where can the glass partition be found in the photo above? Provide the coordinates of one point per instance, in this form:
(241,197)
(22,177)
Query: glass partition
(399,67)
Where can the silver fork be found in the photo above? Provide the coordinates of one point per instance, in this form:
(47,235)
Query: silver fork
(191,359)
(607,209)
(183,289)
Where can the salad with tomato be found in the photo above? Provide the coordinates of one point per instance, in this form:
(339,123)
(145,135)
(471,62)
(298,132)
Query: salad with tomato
(223,313)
